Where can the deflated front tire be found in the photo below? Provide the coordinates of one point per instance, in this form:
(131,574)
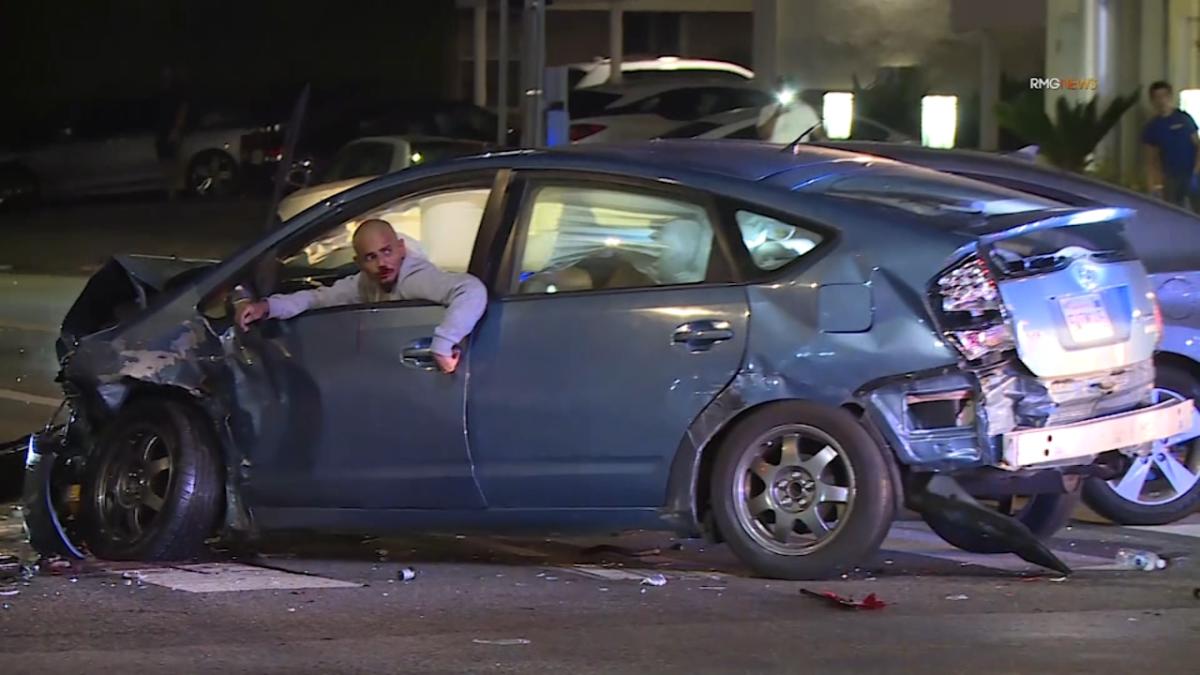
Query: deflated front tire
(153,490)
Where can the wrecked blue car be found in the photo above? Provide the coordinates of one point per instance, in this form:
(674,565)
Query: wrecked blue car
(777,349)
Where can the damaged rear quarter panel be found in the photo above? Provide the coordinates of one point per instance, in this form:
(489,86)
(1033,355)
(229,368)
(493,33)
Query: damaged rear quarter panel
(792,356)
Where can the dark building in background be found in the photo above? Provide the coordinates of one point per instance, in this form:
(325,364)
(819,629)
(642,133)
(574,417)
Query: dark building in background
(55,55)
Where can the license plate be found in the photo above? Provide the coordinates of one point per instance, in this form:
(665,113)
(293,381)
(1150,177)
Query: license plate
(1087,319)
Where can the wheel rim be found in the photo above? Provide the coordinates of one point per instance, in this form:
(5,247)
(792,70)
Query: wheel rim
(213,176)
(793,489)
(134,483)
(1169,471)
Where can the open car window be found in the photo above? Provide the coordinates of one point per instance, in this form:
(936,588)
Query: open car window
(440,226)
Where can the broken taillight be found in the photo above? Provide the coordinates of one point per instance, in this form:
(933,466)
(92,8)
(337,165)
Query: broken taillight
(972,310)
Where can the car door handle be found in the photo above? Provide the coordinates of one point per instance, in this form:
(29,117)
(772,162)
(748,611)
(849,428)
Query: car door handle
(419,354)
(701,335)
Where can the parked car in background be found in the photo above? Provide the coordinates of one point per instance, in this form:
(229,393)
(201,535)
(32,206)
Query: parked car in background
(1161,484)
(644,111)
(741,125)
(363,159)
(109,148)
(670,68)
(678,334)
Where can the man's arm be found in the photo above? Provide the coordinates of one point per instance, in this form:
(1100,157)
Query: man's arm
(286,305)
(463,295)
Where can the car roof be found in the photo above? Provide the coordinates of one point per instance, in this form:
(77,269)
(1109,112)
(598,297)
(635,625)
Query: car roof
(744,160)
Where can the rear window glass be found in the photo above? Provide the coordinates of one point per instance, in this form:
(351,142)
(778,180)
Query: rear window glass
(585,103)
(929,193)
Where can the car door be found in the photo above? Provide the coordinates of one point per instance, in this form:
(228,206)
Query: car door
(355,414)
(617,325)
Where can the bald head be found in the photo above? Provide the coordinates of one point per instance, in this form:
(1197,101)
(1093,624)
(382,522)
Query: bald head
(379,251)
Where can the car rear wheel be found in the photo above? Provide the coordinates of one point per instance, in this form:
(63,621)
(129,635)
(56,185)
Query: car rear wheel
(801,491)
(1163,485)
(1043,514)
(154,489)
(212,174)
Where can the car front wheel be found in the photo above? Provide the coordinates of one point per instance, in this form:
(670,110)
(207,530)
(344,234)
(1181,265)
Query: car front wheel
(801,491)
(1163,485)
(154,488)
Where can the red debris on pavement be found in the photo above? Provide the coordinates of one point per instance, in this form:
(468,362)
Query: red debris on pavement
(869,602)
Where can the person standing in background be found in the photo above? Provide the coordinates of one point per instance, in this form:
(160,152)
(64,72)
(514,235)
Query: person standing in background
(171,120)
(1170,142)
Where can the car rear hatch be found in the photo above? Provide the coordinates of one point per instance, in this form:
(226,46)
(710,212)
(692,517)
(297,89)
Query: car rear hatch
(1061,285)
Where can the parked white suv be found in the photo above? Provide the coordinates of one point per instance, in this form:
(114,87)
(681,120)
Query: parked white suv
(645,111)
(598,72)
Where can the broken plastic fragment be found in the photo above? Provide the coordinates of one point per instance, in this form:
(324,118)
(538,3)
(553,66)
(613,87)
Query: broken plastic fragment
(959,596)
(506,642)
(654,580)
(407,574)
(869,602)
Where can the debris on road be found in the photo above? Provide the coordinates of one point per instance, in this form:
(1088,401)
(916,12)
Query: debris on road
(505,642)
(655,580)
(959,596)
(7,592)
(406,574)
(1146,561)
(621,550)
(869,602)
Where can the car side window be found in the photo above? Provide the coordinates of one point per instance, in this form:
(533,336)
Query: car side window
(440,226)
(594,238)
(773,243)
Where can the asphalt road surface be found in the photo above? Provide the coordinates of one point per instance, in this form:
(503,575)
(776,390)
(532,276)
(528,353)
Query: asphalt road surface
(497,604)
(307,604)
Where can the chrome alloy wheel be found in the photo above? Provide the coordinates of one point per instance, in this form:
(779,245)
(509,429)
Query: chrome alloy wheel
(793,488)
(1171,468)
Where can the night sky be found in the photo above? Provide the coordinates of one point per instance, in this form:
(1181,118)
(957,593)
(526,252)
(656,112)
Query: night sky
(57,53)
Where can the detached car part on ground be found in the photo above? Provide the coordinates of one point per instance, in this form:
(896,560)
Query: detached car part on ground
(1159,484)
(853,331)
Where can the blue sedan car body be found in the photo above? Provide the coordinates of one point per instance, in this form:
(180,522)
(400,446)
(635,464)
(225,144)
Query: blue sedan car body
(604,406)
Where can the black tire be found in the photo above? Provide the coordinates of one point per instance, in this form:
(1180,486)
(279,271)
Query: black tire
(189,498)
(204,161)
(1043,514)
(1101,496)
(862,521)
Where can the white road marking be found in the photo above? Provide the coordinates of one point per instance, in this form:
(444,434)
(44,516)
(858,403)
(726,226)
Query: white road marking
(32,327)
(1181,529)
(231,577)
(917,539)
(34,399)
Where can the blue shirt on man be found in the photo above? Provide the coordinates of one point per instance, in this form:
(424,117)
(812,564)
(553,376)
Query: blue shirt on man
(1172,135)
